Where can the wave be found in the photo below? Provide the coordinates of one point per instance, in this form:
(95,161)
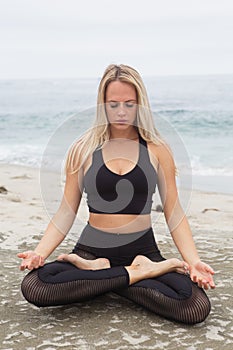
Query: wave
(24,154)
(200,169)
(31,155)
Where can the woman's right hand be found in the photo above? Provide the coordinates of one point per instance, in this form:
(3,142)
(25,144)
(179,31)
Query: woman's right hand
(31,260)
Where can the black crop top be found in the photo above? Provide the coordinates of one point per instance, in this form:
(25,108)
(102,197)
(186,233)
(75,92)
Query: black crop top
(130,193)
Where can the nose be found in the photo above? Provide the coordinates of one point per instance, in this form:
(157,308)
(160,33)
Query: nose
(121,110)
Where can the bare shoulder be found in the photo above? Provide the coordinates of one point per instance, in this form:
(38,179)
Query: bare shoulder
(162,153)
(77,157)
(74,170)
(75,154)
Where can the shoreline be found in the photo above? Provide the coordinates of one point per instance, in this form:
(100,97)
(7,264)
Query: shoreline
(219,184)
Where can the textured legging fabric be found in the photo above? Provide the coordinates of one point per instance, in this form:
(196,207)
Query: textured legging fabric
(171,295)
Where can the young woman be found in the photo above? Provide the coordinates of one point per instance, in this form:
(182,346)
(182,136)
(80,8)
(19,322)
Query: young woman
(118,163)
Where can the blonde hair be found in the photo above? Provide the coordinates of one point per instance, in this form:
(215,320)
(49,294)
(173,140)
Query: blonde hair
(99,133)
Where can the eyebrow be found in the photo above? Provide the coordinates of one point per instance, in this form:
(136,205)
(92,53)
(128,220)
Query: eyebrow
(122,101)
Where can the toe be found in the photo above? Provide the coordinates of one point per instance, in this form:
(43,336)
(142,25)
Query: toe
(62,257)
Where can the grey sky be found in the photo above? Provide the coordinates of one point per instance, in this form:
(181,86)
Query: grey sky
(72,38)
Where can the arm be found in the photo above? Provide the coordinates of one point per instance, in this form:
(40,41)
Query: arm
(59,225)
(177,221)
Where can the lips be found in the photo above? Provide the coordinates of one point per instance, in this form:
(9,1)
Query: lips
(121,121)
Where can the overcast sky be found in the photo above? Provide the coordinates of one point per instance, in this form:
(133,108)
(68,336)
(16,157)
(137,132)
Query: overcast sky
(73,38)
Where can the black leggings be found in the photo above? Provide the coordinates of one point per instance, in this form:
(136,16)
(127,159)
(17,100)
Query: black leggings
(171,295)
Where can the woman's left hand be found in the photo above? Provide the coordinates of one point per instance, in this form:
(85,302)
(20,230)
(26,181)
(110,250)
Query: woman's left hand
(202,274)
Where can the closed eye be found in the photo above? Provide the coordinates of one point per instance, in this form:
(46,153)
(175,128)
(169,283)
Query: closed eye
(129,105)
(116,104)
(113,105)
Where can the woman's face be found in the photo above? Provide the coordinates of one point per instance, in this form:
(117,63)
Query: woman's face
(121,104)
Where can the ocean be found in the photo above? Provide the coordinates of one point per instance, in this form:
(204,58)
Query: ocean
(193,113)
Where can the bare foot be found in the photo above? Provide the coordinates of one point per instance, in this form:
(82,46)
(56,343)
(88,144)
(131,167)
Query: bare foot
(142,268)
(84,264)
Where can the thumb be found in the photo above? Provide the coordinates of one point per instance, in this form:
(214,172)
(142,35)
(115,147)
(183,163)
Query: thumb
(22,255)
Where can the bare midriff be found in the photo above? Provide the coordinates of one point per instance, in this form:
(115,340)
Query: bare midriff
(120,223)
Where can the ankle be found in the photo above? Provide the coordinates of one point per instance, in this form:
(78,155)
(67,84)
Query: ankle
(173,263)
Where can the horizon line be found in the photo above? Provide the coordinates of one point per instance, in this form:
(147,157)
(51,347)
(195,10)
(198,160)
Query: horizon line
(98,77)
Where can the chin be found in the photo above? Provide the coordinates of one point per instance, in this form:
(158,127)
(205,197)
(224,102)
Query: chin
(123,125)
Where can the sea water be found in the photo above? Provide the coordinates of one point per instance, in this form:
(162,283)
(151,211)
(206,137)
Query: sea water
(196,110)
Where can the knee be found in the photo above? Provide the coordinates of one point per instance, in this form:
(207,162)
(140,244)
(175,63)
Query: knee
(197,309)
(31,288)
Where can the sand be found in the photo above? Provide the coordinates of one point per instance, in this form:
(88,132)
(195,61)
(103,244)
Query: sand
(107,322)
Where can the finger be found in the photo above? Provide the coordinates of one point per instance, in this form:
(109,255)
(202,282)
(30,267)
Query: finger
(212,284)
(34,263)
(41,261)
(22,268)
(210,270)
(194,278)
(21,255)
(199,282)
(186,267)
(205,284)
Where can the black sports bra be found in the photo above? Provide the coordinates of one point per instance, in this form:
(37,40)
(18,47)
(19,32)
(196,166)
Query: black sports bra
(130,193)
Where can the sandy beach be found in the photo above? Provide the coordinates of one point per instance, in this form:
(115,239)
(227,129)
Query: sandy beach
(107,322)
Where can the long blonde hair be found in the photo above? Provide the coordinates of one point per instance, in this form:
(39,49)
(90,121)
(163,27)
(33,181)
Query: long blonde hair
(99,133)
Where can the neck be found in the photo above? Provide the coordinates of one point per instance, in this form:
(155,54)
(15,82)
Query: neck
(130,133)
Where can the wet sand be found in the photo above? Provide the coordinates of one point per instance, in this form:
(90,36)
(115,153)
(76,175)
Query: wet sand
(109,321)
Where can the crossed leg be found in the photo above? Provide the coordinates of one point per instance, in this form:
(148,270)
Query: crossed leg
(150,284)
